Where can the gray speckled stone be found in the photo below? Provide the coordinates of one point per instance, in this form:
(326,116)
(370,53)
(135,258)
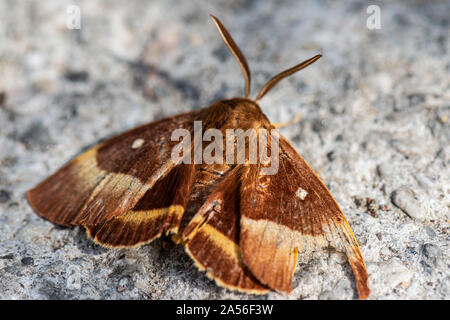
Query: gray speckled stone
(375,112)
(406,200)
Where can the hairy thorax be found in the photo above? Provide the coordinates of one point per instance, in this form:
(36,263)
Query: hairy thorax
(236,113)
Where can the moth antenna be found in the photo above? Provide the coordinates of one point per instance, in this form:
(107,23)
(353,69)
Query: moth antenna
(272,82)
(236,53)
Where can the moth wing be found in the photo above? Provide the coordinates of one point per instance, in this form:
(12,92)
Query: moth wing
(109,179)
(212,238)
(288,213)
(159,210)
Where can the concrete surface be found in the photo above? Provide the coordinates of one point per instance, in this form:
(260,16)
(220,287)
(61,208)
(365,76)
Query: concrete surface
(375,126)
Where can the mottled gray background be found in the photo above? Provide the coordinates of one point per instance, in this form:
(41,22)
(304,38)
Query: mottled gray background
(375,115)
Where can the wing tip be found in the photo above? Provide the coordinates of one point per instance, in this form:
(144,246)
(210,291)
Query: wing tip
(361,276)
(31,198)
(35,204)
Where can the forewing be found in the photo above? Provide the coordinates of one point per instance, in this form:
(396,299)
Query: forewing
(109,179)
(287,213)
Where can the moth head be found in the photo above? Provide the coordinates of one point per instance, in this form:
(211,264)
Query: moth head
(240,58)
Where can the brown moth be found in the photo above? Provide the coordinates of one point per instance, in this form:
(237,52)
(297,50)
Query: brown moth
(244,228)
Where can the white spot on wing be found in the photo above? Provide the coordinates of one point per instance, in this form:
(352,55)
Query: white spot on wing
(137,143)
(301,193)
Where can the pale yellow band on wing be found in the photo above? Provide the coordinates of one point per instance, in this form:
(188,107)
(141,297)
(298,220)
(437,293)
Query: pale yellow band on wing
(228,246)
(142,216)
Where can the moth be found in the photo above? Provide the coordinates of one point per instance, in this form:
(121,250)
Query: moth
(243,227)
